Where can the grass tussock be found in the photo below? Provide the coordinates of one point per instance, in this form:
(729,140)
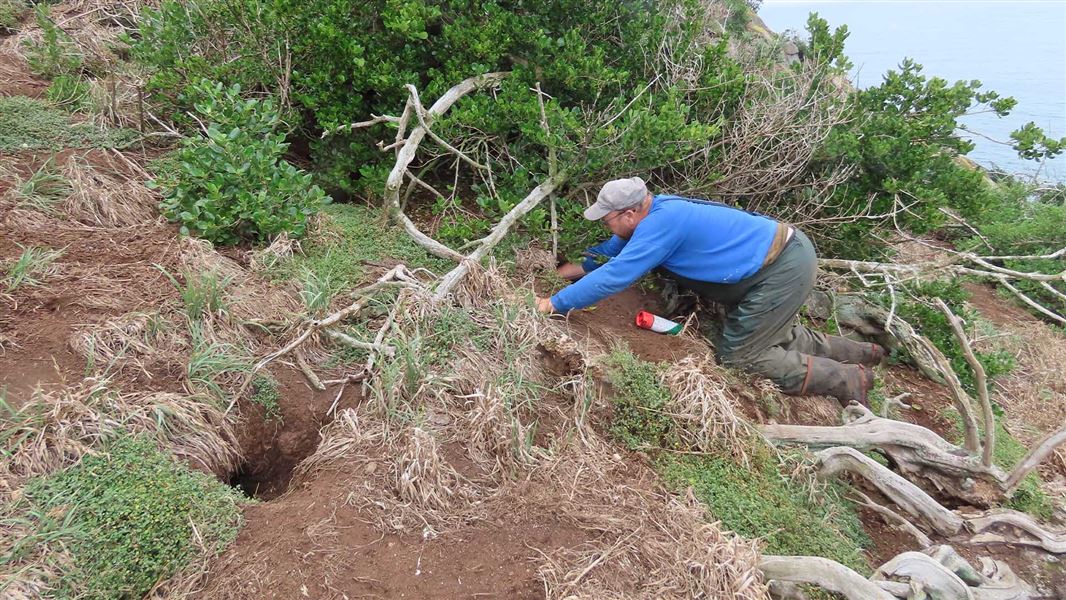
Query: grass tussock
(105,199)
(132,337)
(43,191)
(31,268)
(247,298)
(706,415)
(55,430)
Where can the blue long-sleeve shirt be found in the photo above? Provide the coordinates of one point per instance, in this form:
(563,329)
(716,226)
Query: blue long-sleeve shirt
(697,240)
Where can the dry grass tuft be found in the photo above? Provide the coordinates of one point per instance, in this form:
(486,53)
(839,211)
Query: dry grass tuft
(707,414)
(1033,394)
(533,261)
(250,299)
(423,478)
(281,250)
(495,436)
(56,429)
(482,285)
(107,200)
(649,543)
(406,480)
(128,337)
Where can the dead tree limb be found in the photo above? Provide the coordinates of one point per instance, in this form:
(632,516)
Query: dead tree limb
(824,573)
(905,494)
(935,579)
(980,382)
(449,281)
(1015,528)
(891,517)
(917,451)
(398,275)
(1036,455)
(872,320)
(407,153)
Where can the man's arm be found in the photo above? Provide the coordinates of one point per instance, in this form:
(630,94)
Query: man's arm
(651,244)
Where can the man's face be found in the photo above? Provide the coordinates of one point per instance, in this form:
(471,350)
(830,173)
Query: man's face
(622,222)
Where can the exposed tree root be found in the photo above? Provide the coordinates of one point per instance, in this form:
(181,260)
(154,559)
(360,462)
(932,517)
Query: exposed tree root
(939,573)
(917,451)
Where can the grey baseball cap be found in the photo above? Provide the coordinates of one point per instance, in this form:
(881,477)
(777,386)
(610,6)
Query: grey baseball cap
(618,194)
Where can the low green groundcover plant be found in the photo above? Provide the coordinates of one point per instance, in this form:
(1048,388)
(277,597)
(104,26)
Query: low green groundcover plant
(30,124)
(231,184)
(132,511)
(753,500)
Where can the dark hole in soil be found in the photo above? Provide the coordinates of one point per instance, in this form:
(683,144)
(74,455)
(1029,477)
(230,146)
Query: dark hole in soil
(266,473)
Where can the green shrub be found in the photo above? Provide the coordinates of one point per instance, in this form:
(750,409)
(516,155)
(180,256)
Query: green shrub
(232,184)
(11,13)
(56,54)
(138,516)
(30,124)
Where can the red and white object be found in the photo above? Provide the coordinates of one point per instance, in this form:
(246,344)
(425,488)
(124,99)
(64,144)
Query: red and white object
(646,320)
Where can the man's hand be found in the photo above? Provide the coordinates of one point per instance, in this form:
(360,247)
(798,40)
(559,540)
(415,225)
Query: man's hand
(544,305)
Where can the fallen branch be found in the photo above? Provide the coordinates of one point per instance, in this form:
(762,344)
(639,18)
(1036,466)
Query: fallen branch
(449,281)
(916,450)
(891,517)
(905,494)
(407,153)
(980,381)
(1016,528)
(867,319)
(398,275)
(1036,455)
(305,368)
(824,573)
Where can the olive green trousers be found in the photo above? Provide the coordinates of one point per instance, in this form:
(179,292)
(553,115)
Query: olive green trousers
(761,332)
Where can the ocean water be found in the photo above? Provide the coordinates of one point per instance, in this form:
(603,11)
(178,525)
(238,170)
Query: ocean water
(1015,47)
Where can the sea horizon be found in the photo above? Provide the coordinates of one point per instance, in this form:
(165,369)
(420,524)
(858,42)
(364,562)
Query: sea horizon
(1016,48)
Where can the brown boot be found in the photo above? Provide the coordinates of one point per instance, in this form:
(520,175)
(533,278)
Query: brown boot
(850,352)
(846,383)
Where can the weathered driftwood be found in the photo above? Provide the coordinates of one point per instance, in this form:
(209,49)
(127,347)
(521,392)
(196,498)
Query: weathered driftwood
(1013,527)
(936,580)
(824,573)
(855,313)
(449,281)
(903,493)
(918,452)
(409,148)
(980,381)
(938,573)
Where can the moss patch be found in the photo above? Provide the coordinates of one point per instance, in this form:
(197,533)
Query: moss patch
(131,512)
(759,502)
(28,124)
